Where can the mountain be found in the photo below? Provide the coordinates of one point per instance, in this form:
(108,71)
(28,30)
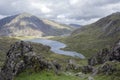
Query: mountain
(25,24)
(75,25)
(108,26)
(91,38)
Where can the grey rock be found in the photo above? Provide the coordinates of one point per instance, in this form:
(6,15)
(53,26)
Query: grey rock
(104,58)
(87,69)
(73,66)
(21,57)
(106,55)
(107,69)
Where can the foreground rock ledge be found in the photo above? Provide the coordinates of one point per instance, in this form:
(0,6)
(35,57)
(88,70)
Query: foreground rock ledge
(20,57)
(107,59)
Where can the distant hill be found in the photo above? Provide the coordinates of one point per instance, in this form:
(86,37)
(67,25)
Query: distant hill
(108,26)
(26,24)
(91,38)
(75,25)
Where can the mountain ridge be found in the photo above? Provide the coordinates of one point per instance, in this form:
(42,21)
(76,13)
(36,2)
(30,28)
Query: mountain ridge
(110,21)
(26,24)
(91,38)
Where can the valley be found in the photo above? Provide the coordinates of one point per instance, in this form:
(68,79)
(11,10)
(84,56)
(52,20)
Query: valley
(59,39)
(91,52)
(91,38)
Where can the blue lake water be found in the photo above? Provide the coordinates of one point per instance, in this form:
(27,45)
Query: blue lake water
(56,47)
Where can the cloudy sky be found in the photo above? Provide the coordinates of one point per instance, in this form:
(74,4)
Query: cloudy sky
(64,11)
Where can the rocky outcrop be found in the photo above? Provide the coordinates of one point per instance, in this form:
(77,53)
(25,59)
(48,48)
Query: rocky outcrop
(73,66)
(106,59)
(87,69)
(107,69)
(106,55)
(21,57)
(99,58)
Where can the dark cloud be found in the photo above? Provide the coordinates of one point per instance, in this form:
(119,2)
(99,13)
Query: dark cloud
(65,11)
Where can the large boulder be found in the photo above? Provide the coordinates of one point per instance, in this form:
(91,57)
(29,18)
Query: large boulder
(107,68)
(99,58)
(87,69)
(115,52)
(73,66)
(16,59)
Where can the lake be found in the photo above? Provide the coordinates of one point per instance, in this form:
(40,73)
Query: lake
(56,47)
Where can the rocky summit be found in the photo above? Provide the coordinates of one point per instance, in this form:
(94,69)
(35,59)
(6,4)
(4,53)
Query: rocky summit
(21,57)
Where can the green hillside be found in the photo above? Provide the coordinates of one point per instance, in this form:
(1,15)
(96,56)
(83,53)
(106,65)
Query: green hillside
(43,50)
(49,74)
(91,38)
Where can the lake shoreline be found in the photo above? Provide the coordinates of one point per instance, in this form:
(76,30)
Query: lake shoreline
(56,47)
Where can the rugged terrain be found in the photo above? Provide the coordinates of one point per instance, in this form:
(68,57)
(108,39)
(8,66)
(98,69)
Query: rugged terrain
(26,24)
(91,38)
(99,42)
(23,61)
(40,50)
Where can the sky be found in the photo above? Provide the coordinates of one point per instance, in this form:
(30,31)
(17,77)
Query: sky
(65,11)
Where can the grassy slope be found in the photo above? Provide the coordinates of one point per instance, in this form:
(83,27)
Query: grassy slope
(45,75)
(88,42)
(50,75)
(5,43)
(38,48)
(92,38)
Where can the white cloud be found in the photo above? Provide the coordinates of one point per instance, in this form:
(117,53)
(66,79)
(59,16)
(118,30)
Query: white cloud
(41,6)
(73,2)
(2,16)
(84,22)
(73,21)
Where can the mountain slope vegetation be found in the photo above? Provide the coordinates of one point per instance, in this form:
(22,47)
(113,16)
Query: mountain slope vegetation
(91,38)
(70,74)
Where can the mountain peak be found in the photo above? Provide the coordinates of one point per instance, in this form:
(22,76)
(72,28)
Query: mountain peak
(109,20)
(116,13)
(25,14)
(25,24)
(114,16)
